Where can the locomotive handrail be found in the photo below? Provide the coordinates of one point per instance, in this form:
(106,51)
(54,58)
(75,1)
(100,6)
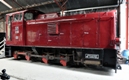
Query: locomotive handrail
(91,8)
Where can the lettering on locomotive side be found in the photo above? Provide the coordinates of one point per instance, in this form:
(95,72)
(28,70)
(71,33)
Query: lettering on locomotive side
(16,29)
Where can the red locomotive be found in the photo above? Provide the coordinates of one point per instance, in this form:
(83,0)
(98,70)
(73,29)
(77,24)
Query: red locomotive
(87,38)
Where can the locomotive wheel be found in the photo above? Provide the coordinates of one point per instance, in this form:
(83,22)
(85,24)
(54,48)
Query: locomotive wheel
(27,56)
(44,60)
(15,55)
(63,62)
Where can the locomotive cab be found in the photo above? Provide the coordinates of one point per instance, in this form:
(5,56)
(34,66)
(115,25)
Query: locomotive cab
(15,26)
(31,14)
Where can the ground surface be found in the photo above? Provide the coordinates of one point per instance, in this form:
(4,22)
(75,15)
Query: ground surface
(23,70)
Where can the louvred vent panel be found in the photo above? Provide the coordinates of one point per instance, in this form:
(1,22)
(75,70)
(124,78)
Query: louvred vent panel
(53,28)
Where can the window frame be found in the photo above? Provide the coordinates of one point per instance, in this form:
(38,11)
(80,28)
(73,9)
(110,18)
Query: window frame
(25,18)
(19,17)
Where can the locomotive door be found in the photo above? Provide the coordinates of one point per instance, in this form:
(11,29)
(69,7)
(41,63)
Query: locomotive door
(9,29)
(42,34)
(38,34)
(64,38)
(90,35)
(17,26)
(53,34)
(77,34)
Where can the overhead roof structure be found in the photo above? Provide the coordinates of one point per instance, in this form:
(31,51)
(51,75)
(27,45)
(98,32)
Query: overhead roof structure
(3,7)
(47,6)
(51,5)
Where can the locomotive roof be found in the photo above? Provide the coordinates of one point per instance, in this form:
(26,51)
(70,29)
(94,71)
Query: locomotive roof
(16,12)
(22,11)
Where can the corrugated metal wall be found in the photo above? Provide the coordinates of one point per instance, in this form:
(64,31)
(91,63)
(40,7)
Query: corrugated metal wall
(71,4)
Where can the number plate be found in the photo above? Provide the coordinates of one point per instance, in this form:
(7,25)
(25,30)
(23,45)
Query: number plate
(92,56)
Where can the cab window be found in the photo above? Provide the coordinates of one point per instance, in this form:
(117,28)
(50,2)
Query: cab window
(28,16)
(10,19)
(18,17)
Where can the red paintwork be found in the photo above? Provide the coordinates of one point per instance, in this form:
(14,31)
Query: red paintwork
(20,34)
(27,57)
(63,62)
(21,53)
(45,60)
(15,56)
(117,41)
(92,30)
(47,16)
